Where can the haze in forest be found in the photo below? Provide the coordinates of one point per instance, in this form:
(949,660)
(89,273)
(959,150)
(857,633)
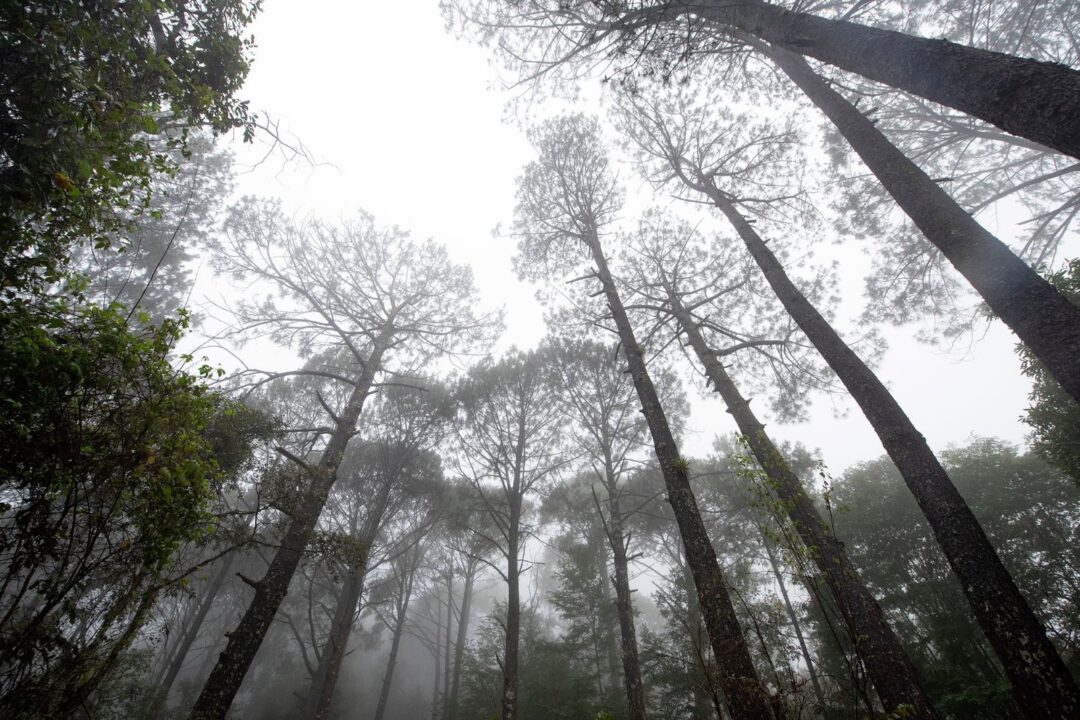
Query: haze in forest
(539,359)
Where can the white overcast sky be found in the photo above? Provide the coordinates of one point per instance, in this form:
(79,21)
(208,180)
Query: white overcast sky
(412,130)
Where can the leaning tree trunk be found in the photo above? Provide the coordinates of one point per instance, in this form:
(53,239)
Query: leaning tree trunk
(889,666)
(1036,100)
(164,687)
(706,703)
(794,618)
(321,691)
(1044,319)
(233,663)
(746,695)
(395,644)
(462,636)
(635,690)
(1041,682)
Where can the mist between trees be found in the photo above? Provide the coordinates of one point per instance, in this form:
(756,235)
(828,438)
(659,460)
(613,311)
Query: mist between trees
(371,514)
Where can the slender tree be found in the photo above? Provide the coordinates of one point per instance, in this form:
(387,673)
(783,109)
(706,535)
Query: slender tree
(607,429)
(706,300)
(377,294)
(509,435)
(1032,99)
(565,200)
(1042,683)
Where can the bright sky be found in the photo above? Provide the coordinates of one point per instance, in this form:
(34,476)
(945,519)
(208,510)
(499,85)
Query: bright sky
(412,131)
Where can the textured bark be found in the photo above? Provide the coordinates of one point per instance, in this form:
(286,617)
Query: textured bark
(1036,100)
(1044,319)
(161,694)
(890,669)
(635,690)
(1041,683)
(746,695)
(795,624)
(462,636)
(233,663)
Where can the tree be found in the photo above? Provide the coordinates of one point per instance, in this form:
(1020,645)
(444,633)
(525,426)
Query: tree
(1040,679)
(109,466)
(607,429)
(1027,509)
(374,296)
(86,88)
(565,199)
(509,438)
(709,299)
(391,479)
(147,267)
(1032,99)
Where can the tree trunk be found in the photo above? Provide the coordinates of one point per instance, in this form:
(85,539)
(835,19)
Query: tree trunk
(1043,318)
(513,622)
(1041,682)
(399,627)
(707,705)
(635,690)
(233,663)
(815,683)
(890,668)
(449,643)
(321,692)
(1036,100)
(462,636)
(161,692)
(746,694)
(613,649)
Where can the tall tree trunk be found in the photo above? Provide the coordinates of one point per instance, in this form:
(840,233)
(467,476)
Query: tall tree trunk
(1043,318)
(635,690)
(746,695)
(462,635)
(321,692)
(890,668)
(614,647)
(176,664)
(706,704)
(449,642)
(399,627)
(233,663)
(1041,682)
(437,655)
(1036,100)
(795,624)
(513,621)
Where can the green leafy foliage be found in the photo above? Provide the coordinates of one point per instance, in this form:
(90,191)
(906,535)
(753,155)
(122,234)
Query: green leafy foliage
(86,88)
(1028,510)
(1053,415)
(108,463)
